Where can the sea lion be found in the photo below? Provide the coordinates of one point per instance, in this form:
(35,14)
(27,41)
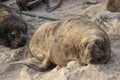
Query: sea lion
(26,5)
(12,28)
(71,40)
(113,5)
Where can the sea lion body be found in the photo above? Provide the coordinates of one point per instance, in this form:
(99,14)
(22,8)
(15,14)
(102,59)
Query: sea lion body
(12,27)
(72,40)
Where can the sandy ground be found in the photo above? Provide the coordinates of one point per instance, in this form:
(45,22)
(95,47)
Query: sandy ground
(68,9)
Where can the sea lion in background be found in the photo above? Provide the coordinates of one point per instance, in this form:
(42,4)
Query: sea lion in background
(12,28)
(72,40)
(30,4)
(113,5)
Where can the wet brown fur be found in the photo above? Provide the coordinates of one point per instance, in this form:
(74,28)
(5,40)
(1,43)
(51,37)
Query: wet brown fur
(71,40)
(12,28)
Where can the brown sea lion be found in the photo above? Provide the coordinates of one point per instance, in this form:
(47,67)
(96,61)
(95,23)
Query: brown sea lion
(72,40)
(113,5)
(30,4)
(12,28)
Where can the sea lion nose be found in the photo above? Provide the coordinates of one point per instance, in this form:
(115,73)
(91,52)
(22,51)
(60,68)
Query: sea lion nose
(21,41)
(99,60)
(95,56)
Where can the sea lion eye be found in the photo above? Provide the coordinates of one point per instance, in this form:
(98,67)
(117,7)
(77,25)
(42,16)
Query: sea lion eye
(13,34)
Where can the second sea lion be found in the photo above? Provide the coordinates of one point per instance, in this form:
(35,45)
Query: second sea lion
(13,28)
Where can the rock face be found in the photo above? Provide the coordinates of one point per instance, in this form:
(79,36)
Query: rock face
(12,28)
(113,5)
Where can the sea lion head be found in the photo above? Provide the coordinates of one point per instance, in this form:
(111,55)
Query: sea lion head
(95,51)
(17,36)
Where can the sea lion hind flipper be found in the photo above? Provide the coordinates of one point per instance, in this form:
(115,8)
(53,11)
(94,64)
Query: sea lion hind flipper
(30,64)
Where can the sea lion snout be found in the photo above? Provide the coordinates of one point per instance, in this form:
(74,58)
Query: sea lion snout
(97,52)
(17,39)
